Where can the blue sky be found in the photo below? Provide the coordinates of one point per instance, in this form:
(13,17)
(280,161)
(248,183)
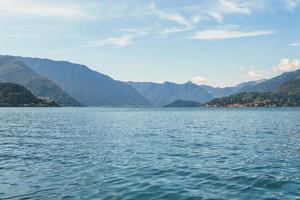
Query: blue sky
(216,42)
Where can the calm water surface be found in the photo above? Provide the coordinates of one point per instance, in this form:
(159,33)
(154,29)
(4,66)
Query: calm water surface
(102,153)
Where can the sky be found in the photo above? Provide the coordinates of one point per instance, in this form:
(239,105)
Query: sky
(215,42)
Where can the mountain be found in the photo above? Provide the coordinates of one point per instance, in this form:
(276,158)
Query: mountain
(16,71)
(183,104)
(218,92)
(89,87)
(273,84)
(14,95)
(290,87)
(253,86)
(166,93)
(287,94)
(69,83)
(257,99)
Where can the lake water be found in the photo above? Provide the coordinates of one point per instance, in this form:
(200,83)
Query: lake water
(103,153)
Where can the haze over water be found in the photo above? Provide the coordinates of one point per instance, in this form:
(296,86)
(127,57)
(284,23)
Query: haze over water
(110,153)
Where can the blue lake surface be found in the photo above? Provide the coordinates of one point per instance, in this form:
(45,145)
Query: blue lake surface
(110,153)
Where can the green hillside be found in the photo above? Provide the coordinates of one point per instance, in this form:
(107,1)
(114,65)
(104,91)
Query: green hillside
(15,71)
(286,95)
(183,104)
(14,95)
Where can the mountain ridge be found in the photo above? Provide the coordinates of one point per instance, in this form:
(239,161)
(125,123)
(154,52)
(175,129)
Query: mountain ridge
(218,92)
(82,84)
(15,71)
(272,84)
(90,87)
(161,94)
(286,95)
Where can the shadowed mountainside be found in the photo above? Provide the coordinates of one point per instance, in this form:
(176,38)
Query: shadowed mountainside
(218,92)
(89,87)
(183,104)
(286,95)
(272,84)
(166,93)
(15,71)
(14,95)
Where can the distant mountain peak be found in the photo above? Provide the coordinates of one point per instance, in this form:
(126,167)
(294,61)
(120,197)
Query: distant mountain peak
(168,92)
(190,83)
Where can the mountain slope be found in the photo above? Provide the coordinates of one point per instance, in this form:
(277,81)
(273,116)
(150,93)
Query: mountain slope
(272,84)
(253,86)
(166,93)
(14,95)
(287,94)
(13,70)
(218,92)
(290,87)
(89,87)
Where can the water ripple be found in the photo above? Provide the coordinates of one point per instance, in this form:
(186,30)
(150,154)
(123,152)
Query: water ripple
(104,153)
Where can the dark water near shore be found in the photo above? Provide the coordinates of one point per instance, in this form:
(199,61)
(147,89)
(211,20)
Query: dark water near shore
(98,153)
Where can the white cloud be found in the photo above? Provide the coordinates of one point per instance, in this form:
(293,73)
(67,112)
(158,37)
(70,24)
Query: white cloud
(221,34)
(184,23)
(173,17)
(287,64)
(284,65)
(121,41)
(174,30)
(196,19)
(139,31)
(254,74)
(28,8)
(217,16)
(291,4)
(231,7)
(295,44)
(226,7)
(199,80)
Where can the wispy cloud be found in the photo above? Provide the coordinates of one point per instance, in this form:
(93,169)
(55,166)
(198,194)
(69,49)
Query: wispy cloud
(217,16)
(287,64)
(232,7)
(256,74)
(295,44)
(122,41)
(183,23)
(228,7)
(291,4)
(225,7)
(171,30)
(29,8)
(221,34)
(172,17)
